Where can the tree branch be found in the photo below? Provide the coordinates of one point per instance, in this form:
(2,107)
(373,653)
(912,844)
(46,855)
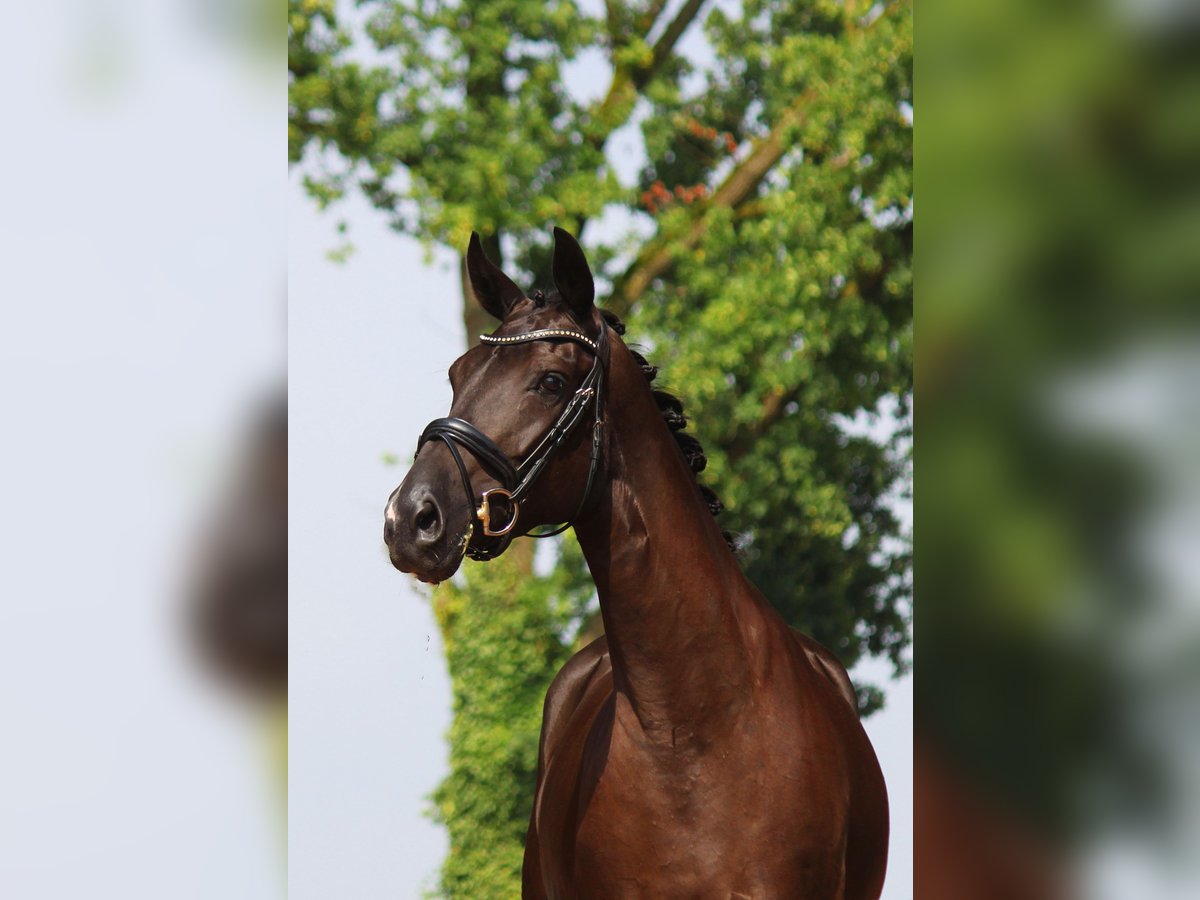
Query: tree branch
(646,21)
(668,39)
(627,82)
(737,187)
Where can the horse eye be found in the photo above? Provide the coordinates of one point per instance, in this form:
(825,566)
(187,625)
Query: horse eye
(551,383)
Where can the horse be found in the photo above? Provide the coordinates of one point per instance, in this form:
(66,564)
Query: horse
(700,747)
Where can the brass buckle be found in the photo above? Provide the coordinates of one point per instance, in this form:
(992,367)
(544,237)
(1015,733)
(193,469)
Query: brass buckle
(484,513)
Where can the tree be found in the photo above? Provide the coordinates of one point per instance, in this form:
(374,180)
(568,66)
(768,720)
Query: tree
(763,253)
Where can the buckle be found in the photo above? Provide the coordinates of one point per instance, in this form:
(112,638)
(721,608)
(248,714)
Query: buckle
(484,513)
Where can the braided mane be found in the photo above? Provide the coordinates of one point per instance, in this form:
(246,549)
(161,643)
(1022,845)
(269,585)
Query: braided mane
(671,408)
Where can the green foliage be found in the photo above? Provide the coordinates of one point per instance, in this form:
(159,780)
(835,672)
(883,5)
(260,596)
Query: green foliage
(790,314)
(463,125)
(764,252)
(1060,265)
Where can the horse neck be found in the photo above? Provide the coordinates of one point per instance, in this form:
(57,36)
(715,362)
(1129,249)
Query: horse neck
(673,599)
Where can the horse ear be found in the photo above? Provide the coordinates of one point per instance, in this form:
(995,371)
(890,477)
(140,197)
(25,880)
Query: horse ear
(493,289)
(572,276)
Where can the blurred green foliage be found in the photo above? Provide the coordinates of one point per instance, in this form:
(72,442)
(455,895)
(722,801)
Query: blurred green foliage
(1059,236)
(763,253)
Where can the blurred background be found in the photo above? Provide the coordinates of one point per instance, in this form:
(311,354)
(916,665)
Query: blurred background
(1058,528)
(142,364)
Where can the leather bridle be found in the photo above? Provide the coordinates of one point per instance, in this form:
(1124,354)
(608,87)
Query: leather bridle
(518,480)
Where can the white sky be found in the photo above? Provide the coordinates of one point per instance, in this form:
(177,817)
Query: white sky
(142,304)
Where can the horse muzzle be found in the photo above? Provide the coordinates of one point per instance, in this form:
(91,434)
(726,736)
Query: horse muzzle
(423,537)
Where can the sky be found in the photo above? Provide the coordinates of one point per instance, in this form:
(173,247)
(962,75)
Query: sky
(369,342)
(143,261)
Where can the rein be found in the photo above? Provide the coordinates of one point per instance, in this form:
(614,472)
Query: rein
(517,480)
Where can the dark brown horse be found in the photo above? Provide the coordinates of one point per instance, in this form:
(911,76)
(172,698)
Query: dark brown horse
(701,748)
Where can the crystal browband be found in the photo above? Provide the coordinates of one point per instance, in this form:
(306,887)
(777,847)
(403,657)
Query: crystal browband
(543,334)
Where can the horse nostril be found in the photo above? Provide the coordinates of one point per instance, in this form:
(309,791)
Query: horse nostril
(427,521)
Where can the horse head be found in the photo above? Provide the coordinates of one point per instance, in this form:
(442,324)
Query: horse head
(515,450)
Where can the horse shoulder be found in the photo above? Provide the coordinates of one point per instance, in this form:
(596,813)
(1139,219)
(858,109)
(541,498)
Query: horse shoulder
(829,666)
(566,692)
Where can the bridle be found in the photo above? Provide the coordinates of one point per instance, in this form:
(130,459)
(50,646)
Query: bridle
(518,480)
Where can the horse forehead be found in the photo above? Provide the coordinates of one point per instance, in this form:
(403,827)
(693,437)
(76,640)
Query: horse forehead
(528,316)
(474,371)
(484,369)
(490,390)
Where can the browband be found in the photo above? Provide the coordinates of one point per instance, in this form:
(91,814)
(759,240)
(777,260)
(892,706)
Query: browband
(542,334)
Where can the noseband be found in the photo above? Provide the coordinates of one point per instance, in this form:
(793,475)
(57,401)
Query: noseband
(519,479)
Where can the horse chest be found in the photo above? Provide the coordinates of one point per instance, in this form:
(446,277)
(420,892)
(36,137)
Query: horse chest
(621,815)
